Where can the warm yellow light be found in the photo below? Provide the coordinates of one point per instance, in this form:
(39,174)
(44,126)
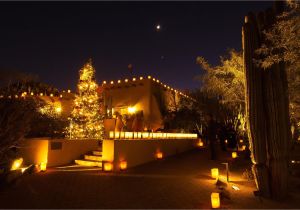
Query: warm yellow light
(214,173)
(131,110)
(149,77)
(241,141)
(226,141)
(117,135)
(126,80)
(215,200)
(108,166)
(58,109)
(159,155)
(244,147)
(69,91)
(41,94)
(60,95)
(43,166)
(111,134)
(157,81)
(234,155)
(16,164)
(51,95)
(133,79)
(31,93)
(141,78)
(119,81)
(104,82)
(200,143)
(23,169)
(123,165)
(112,82)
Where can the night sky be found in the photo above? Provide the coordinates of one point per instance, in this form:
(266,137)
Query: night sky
(55,39)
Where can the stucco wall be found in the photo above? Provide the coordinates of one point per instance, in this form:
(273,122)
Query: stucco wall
(34,151)
(137,152)
(69,151)
(56,152)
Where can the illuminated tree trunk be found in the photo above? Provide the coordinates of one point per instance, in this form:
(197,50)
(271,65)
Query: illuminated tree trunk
(267,111)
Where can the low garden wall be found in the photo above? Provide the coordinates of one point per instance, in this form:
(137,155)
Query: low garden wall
(137,152)
(56,152)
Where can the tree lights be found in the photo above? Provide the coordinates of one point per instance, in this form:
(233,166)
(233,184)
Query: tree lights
(86,119)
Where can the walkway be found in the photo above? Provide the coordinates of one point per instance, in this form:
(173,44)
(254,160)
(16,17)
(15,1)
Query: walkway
(182,181)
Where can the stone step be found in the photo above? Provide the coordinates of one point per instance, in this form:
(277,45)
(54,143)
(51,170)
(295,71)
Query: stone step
(99,153)
(76,168)
(93,157)
(88,163)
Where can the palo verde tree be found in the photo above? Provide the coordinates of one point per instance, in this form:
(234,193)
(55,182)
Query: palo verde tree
(226,82)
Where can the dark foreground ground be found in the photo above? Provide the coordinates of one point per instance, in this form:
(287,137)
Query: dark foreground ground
(181,181)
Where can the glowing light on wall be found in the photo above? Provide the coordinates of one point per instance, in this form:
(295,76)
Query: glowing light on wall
(119,81)
(234,155)
(16,164)
(141,78)
(69,91)
(112,82)
(131,110)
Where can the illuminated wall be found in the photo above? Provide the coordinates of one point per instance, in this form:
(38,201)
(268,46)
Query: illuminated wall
(146,94)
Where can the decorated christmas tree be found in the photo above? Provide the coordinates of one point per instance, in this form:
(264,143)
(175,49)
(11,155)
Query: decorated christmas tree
(86,117)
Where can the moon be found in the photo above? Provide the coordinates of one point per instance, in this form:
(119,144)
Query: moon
(157,27)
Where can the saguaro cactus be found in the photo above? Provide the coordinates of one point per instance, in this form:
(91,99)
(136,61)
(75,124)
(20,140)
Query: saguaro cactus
(254,108)
(267,110)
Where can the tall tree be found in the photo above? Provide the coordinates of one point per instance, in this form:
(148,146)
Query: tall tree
(86,118)
(226,82)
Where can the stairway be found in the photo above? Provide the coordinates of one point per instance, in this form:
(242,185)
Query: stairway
(93,159)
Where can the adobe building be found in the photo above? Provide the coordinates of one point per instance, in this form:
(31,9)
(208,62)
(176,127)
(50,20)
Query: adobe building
(134,114)
(135,104)
(140,101)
